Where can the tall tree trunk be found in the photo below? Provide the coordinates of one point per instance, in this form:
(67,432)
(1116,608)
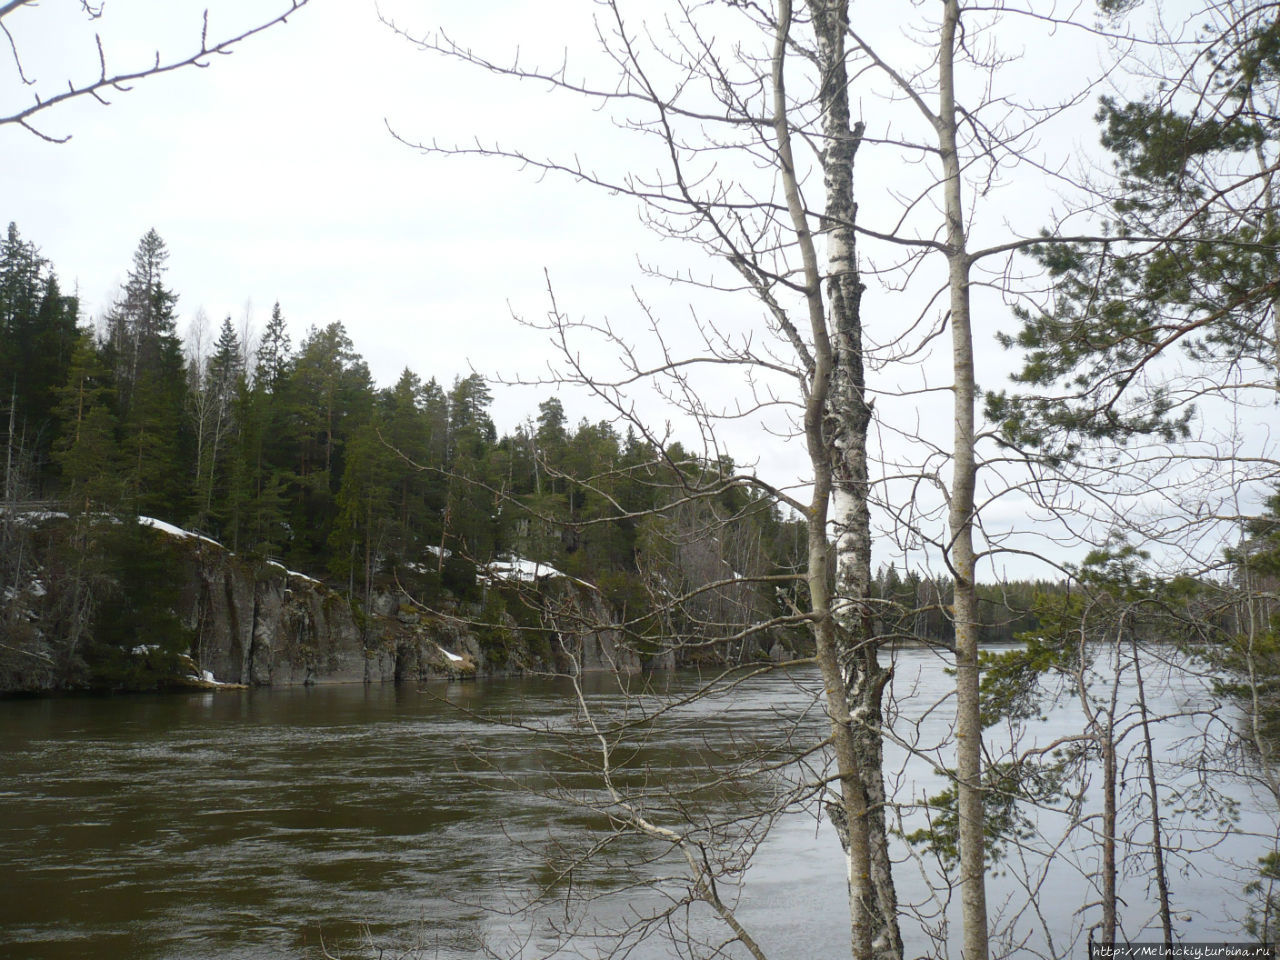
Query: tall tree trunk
(847,419)
(1157,840)
(866,923)
(1107,738)
(1109,834)
(969,798)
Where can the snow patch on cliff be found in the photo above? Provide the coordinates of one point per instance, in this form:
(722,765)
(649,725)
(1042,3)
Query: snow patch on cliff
(181,534)
(293,573)
(519,570)
(178,532)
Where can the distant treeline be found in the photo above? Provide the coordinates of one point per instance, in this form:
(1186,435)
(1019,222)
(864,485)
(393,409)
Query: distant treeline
(291,452)
(916,606)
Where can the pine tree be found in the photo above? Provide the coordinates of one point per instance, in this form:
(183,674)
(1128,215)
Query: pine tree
(1191,269)
(470,427)
(329,396)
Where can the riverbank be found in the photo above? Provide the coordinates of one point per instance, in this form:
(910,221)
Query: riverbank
(112,605)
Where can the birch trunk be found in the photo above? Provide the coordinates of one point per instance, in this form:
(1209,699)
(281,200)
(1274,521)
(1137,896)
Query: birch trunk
(1107,745)
(1108,836)
(835,422)
(847,419)
(969,798)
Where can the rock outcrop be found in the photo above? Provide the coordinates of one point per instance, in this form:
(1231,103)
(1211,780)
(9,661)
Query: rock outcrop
(255,623)
(260,624)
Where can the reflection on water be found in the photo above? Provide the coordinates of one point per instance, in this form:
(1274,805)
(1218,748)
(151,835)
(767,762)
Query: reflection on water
(250,824)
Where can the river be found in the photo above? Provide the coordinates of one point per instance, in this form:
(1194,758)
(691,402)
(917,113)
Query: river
(242,825)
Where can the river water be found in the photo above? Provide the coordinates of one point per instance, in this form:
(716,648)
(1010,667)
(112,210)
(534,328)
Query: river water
(242,825)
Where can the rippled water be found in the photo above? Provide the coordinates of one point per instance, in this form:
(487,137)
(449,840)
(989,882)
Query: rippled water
(251,824)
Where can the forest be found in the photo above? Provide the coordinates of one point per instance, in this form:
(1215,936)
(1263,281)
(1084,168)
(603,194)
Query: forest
(292,454)
(1085,385)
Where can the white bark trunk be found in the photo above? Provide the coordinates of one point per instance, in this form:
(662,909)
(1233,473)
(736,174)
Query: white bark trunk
(834,450)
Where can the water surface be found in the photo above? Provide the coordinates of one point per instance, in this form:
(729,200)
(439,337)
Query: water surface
(242,825)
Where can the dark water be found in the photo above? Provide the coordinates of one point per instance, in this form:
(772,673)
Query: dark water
(252,824)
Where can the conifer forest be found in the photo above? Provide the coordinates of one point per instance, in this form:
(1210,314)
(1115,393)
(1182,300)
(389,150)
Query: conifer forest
(891,573)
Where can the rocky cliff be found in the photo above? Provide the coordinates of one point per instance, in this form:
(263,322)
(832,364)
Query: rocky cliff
(260,624)
(200,612)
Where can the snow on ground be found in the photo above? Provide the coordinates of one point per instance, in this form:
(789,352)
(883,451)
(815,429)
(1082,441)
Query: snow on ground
(35,587)
(424,567)
(526,571)
(293,573)
(173,531)
(520,570)
(207,678)
(34,516)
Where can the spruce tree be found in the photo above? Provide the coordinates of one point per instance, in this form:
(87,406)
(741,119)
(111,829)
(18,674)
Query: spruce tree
(151,385)
(87,449)
(37,335)
(274,356)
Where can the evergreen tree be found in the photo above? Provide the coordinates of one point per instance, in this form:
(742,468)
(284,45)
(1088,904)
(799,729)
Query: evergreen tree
(150,384)
(253,514)
(138,640)
(274,357)
(366,509)
(143,319)
(87,449)
(470,428)
(551,431)
(263,463)
(1191,268)
(37,335)
(330,395)
(405,430)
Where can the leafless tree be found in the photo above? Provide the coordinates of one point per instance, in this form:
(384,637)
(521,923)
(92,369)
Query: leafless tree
(20,16)
(781,81)
(777,95)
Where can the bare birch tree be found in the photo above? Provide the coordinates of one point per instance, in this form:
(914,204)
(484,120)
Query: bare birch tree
(799,258)
(782,81)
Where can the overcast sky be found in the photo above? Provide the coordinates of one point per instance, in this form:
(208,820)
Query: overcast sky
(272,175)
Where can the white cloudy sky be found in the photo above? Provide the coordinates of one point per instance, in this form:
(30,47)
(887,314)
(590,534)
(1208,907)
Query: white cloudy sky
(272,176)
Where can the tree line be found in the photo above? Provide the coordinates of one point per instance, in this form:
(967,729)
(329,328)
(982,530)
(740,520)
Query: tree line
(294,454)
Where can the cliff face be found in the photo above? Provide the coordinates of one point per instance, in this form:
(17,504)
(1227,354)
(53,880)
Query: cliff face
(162,603)
(259,624)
